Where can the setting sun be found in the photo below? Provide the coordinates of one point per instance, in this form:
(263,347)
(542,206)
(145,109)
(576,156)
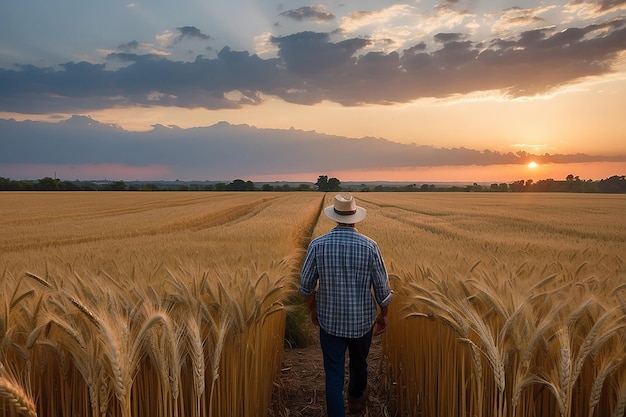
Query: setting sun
(532,164)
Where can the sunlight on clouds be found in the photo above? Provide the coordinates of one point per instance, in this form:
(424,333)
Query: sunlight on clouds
(264,47)
(359,21)
(507,23)
(531,148)
(587,11)
(104,52)
(400,26)
(166,38)
(157,96)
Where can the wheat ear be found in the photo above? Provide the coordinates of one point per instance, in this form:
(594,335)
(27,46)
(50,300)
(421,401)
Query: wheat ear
(17,397)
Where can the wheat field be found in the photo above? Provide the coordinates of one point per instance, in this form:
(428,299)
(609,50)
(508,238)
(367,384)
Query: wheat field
(509,305)
(175,304)
(160,304)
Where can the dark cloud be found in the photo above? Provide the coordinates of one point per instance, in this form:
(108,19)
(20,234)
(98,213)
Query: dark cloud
(228,151)
(308,13)
(128,47)
(448,37)
(190,32)
(311,67)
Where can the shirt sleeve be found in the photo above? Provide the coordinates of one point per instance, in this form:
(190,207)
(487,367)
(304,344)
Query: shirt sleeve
(380,280)
(309,274)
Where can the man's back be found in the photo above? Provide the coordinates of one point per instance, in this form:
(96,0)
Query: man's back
(346,265)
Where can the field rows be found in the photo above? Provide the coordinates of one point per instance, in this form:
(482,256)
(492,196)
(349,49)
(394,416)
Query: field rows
(174,303)
(146,304)
(505,305)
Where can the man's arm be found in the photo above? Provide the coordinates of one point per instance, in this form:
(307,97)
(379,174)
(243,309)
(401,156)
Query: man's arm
(308,281)
(310,302)
(382,292)
(381,321)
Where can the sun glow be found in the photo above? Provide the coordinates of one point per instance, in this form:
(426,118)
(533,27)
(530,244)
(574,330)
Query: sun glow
(532,164)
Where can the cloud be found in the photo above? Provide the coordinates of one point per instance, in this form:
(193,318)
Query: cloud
(310,67)
(315,13)
(190,32)
(602,5)
(448,37)
(128,47)
(226,151)
(593,9)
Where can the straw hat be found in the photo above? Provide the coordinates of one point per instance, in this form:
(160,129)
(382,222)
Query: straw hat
(344,210)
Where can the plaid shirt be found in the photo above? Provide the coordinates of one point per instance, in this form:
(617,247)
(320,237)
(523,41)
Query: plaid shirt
(345,265)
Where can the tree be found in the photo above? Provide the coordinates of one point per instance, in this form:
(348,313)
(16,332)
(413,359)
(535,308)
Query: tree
(240,185)
(328,184)
(116,186)
(614,184)
(322,183)
(334,184)
(517,186)
(48,184)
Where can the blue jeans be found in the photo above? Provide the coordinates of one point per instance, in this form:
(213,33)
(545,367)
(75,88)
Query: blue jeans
(334,351)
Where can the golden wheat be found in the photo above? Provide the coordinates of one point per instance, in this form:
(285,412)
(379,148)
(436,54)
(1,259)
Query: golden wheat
(174,304)
(529,287)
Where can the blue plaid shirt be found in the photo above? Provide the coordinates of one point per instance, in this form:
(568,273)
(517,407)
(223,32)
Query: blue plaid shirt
(345,265)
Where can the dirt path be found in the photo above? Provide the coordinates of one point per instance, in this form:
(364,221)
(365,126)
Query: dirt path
(299,390)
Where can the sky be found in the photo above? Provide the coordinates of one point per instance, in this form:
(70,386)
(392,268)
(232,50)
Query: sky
(444,90)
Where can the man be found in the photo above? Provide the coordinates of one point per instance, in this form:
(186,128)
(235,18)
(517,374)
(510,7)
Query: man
(344,266)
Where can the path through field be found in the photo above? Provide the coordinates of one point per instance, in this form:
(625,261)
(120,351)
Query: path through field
(300,391)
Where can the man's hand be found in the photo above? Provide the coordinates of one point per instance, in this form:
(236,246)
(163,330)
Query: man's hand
(380,325)
(310,302)
(314,317)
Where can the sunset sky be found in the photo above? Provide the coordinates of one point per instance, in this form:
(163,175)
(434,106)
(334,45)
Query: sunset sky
(415,91)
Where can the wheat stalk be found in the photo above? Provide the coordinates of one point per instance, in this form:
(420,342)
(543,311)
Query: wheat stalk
(607,367)
(16,396)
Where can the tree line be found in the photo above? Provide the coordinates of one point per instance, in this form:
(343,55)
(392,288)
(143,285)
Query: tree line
(571,184)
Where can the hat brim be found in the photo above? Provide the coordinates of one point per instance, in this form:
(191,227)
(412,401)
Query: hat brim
(349,219)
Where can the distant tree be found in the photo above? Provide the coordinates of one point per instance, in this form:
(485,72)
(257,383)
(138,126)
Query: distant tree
(69,186)
(48,184)
(544,185)
(267,187)
(322,183)
(240,185)
(328,184)
(6,184)
(150,187)
(475,187)
(116,186)
(614,184)
(517,186)
(334,184)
